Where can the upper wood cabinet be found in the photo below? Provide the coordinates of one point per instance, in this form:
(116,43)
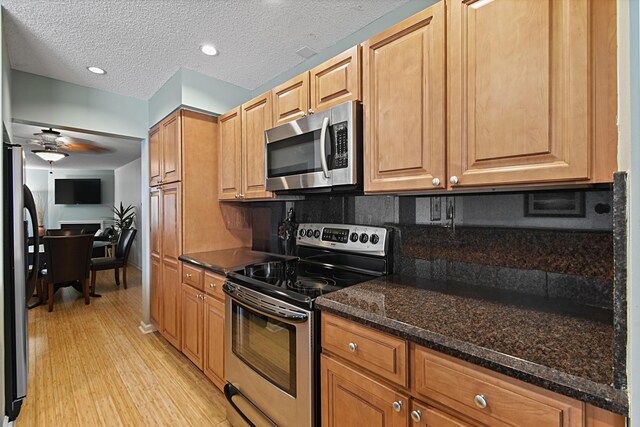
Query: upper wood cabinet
(291,100)
(230,158)
(256,119)
(404,103)
(155,156)
(337,80)
(521,91)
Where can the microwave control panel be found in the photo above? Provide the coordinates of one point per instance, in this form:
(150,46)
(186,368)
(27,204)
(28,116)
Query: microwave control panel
(341,145)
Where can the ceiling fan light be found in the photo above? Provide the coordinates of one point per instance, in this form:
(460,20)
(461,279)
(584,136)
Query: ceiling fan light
(50,155)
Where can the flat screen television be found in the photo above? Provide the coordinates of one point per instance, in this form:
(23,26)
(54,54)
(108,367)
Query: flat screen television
(78,192)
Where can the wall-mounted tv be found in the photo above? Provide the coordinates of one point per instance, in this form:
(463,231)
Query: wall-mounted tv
(78,192)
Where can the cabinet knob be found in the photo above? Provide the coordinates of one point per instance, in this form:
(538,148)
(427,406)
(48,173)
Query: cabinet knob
(237,196)
(480,400)
(212,285)
(353,347)
(311,111)
(416,416)
(453,180)
(397,405)
(435,182)
(188,275)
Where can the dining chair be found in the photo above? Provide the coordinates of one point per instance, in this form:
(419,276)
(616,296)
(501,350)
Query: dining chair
(118,261)
(68,263)
(65,231)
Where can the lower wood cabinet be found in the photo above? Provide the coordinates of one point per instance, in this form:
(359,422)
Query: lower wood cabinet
(442,391)
(213,363)
(192,324)
(350,398)
(202,323)
(171,305)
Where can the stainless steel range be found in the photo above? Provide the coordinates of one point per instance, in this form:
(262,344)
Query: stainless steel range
(272,335)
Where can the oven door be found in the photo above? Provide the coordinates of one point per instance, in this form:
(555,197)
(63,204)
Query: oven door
(269,360)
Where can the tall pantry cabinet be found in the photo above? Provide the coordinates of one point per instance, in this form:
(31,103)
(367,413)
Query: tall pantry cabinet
(184,213)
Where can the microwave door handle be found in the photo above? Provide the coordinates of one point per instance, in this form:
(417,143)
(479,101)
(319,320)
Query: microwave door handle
(323,148)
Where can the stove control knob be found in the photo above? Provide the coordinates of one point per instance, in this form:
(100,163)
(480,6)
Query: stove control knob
(364,238)
(374,239)
(309,233)
(354,237)
(316,234)
(302,232)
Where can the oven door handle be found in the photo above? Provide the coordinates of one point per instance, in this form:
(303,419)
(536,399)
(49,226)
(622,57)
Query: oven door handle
(282,313)
(323,147)
(230,392)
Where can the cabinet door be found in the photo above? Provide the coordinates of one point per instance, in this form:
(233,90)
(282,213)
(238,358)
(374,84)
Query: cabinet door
(230,159)
(192,324)
(171,274)
(171,148)
(518,75)
(155,291)
(337,80)
(425,416)
(352,399)
(291,99)
(214,341)
(256,118)
(155,156)
(404,99)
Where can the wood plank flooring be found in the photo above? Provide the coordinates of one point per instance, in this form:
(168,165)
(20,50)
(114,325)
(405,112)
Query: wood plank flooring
(91,365)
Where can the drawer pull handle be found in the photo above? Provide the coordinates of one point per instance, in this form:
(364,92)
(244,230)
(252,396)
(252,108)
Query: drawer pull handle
(397,405)
(212,285)
(416,416)
(353,347)
(480,400)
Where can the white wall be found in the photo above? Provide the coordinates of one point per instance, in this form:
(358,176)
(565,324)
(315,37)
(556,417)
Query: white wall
(127,184)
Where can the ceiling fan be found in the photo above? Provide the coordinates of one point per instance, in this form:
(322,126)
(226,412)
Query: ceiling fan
(55,147)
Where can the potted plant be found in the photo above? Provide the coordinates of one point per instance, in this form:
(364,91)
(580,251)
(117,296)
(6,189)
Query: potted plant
(123,218)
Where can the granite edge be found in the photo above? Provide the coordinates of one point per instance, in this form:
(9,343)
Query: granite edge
(620,279)
(600,395)
(206,266)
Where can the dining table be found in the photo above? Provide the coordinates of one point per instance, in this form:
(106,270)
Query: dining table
(109,248)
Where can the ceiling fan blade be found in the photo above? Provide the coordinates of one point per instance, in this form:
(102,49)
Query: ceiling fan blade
(77,147)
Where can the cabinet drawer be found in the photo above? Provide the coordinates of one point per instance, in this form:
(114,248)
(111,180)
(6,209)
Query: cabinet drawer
(378,352)
(192,276)
(489,398)
(213,284)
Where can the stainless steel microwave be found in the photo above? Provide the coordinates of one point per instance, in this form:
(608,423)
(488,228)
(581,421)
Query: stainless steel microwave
(320,151)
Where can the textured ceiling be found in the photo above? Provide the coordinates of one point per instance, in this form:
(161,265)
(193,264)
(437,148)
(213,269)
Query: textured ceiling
(141,43)
(121,150)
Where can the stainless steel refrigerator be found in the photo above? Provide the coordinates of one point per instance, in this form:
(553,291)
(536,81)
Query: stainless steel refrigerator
(19,220)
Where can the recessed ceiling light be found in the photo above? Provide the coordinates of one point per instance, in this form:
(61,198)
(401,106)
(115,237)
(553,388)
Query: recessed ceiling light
(96,70)
(207,49)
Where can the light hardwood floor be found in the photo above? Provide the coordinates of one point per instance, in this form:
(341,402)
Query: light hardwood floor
(91,365)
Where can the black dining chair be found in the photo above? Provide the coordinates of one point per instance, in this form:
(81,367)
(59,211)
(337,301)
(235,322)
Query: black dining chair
(64,232)
(116,263)
(68,263)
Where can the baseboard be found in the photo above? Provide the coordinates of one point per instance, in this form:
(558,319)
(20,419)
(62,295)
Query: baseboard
(146,328)
(131,264)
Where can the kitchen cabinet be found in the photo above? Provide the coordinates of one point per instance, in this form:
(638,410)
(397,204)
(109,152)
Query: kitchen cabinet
(350,398)
(155,156)
(291,100)
(214,344)
(165,150)
(185,216)
(192,324)
(230,159)
(337,80)
(155,294)
(256,119)
(171,266)
(404,105)
(529,84)
(440,390)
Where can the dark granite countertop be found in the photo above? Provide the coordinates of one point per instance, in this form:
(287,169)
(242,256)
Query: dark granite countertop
(227,260)
(554,344)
